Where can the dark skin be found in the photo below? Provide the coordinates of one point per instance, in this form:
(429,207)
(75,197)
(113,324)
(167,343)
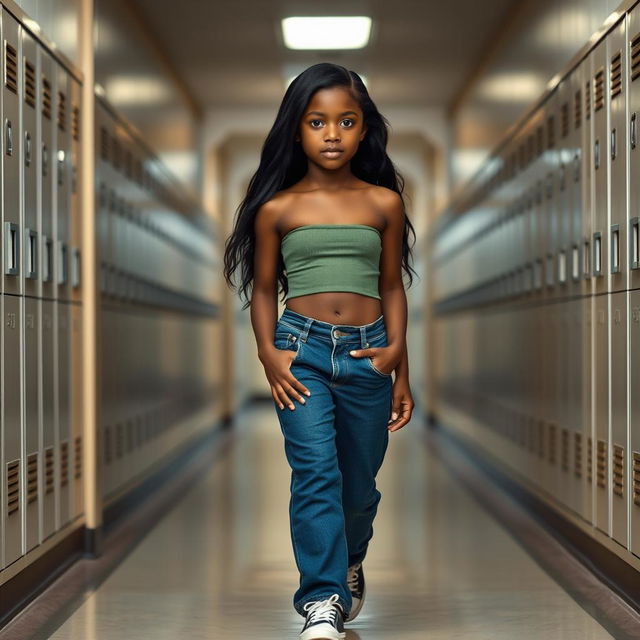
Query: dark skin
(330,194)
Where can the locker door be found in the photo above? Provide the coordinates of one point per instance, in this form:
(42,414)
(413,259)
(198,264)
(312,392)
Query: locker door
(600,264)
(13,468)
(634,419)
(46,153)
(62,313)
(617,52)
(30,106)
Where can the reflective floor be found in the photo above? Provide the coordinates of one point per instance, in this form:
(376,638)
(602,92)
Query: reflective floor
(220,564)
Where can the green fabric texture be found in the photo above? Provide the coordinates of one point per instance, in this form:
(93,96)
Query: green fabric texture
(332,257)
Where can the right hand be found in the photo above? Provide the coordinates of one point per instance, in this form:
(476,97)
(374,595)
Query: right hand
(277,367)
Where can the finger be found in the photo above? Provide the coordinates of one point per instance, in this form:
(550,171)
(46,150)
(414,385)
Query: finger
(404,419)
(298,385)
(290,389)
(275,398)
(284,397)
(359,353)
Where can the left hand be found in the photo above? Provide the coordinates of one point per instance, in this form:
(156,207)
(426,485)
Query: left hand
(402,404)
(385,359)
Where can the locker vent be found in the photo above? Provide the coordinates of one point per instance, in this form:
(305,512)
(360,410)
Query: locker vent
(104,144)
(618,470)
(119,440)
(32,477)
(13,487)
(635,57)
(577,110)
(107,445)
(590,460)
(602,464)
(64,463)
(564,460)
(587,100)
(48,470)
(599,90)
(565,120)
(77,458)
(551,133)
(62,110)
(10,68)
(552,443)
(75,123)
(46,98)
(636,477)
(616,75)
(577,455)
(29,83)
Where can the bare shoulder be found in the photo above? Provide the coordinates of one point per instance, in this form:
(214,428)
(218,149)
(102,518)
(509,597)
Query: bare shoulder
(387,201)
(269,213)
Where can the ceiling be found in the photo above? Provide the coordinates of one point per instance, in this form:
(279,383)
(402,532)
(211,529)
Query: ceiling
(230,52)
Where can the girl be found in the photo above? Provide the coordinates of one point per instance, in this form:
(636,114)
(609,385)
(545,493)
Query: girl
(325,207)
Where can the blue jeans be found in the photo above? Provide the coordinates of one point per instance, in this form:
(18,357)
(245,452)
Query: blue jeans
(335,443)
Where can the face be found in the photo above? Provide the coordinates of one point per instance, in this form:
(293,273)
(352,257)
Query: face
(332,120)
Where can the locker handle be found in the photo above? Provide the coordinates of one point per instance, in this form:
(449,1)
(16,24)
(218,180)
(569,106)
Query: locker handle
(76,268)
(550,270)
(596,154)
(586,255)
(575,262)
(597,253)
(632,131)
(613,144)
(615,248)
(46,263)
(11,249)
(63,265)
(562,266)
(31,251)
(634,243)
(9,136)
(27,149)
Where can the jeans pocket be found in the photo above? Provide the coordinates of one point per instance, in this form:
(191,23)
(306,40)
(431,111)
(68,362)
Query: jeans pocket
(288,341)
(380,340)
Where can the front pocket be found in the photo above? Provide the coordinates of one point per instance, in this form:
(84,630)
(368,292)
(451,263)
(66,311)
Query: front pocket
(288,342)
(380,373)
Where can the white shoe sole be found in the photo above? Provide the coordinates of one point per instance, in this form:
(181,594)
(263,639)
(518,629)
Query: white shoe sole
(322,632)
(356,610)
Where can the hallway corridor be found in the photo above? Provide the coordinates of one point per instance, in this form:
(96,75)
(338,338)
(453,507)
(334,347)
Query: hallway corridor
(220,565)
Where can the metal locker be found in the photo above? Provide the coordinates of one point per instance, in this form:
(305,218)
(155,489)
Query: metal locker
(13,467)
(61,310)
(46,157)
(633,264)
(600,263)
(30,106)
(617,56)
(75,307)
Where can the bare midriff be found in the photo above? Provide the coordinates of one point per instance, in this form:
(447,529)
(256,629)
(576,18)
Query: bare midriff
(337,307)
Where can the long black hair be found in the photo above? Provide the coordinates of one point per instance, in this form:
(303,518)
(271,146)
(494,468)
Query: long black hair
(284,163)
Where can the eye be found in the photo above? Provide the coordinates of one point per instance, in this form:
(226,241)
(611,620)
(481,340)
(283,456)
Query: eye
(351,122)
(312,121)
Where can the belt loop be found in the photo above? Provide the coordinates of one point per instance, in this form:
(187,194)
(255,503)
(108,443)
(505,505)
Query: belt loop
(305,331)
(363,338)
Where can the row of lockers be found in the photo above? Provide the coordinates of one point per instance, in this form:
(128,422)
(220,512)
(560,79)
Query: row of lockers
(41,480)
(536,284)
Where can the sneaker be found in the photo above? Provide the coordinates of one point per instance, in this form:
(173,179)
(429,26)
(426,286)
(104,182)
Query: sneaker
(355,581)
(324,620)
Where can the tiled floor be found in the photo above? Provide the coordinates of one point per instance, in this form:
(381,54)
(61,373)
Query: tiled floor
(220,564)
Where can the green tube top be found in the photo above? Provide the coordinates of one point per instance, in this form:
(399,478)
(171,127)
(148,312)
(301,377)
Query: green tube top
(332,257)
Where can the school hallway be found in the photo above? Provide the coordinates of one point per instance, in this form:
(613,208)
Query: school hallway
(219,564)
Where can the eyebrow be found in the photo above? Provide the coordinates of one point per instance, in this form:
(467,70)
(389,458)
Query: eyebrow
(344,113)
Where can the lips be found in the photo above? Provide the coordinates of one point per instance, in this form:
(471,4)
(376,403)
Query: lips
(331,152)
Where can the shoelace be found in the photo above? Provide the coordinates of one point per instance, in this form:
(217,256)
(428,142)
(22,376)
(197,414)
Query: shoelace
(352,576)
(322,610)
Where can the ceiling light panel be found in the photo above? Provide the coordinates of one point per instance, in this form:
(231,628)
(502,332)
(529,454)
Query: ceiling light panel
(326,32)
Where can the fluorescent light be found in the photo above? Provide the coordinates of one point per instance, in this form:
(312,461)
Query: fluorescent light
(326,32)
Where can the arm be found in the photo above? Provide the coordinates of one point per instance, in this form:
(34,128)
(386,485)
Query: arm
(394,299)
(264,300)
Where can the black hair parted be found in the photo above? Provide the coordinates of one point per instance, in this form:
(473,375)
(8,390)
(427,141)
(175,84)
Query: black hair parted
(283,163)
